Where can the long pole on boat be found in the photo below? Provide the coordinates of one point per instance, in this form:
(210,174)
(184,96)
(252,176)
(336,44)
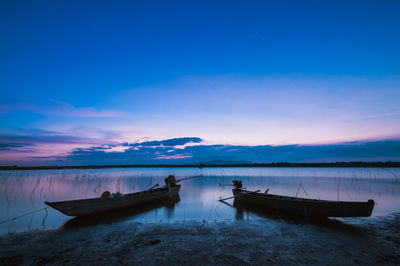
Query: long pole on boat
(250,192)
(186,178)
(156,185)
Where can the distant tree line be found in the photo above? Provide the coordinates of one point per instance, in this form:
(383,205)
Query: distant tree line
(201,165)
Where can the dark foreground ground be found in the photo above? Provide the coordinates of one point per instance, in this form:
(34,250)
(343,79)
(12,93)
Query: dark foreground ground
(263,242)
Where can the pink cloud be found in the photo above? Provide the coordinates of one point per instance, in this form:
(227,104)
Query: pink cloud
(175,156)
(37,146)
(118,148)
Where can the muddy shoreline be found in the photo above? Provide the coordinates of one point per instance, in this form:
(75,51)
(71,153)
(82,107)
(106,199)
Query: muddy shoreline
(375,241)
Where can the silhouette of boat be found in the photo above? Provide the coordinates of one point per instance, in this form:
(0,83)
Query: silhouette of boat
(302,206)
(108,202)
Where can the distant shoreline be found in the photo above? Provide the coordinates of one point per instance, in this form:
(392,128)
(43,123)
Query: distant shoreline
(209,165)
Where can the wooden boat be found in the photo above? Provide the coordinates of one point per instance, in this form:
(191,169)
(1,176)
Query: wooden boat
(85,207)
(122,214)
(303,206)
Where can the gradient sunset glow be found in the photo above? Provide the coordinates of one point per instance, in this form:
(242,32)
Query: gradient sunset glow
(95,82)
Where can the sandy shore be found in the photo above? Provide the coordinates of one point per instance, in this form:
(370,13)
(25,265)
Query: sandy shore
(264,242)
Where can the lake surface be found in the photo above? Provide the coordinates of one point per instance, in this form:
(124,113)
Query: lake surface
(24,191)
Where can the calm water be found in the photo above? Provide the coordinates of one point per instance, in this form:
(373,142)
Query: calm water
(24,191)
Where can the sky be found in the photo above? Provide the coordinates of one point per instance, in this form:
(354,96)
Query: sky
(91,82)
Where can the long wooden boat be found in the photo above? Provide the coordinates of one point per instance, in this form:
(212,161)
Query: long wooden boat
(85,207)
(303,206)
(121,214)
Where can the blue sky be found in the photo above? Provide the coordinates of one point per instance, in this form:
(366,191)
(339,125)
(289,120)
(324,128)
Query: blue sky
(81,74)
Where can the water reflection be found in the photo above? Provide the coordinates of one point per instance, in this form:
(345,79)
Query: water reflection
(24,191)
(245,211)
(166,206)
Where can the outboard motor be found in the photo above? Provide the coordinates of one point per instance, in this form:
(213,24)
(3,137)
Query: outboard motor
(106,195)
(170,180)
(237,183)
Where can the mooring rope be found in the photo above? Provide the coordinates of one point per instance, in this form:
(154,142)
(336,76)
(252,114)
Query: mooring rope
(22,215)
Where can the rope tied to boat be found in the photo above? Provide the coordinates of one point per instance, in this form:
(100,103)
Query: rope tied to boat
(25,214)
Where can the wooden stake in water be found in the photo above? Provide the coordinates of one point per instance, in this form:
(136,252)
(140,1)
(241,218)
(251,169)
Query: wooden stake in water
(169,190)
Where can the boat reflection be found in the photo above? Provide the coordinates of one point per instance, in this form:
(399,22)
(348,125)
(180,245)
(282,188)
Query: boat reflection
(122,214)
(244,210)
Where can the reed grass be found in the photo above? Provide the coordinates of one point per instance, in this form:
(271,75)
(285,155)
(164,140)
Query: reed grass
(35,187)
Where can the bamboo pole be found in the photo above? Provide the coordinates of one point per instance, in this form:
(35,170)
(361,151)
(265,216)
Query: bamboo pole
(183,179)
(250,192)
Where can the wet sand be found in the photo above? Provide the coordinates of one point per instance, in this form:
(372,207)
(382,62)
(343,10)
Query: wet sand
(280,242)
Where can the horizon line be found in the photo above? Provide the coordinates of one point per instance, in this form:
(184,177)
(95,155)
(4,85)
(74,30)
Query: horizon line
(389,163)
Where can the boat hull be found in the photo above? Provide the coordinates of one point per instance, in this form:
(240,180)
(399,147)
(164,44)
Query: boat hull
(85,207)
(308,207)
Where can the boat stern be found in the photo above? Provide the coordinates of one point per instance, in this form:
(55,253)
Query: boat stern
(371,204)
